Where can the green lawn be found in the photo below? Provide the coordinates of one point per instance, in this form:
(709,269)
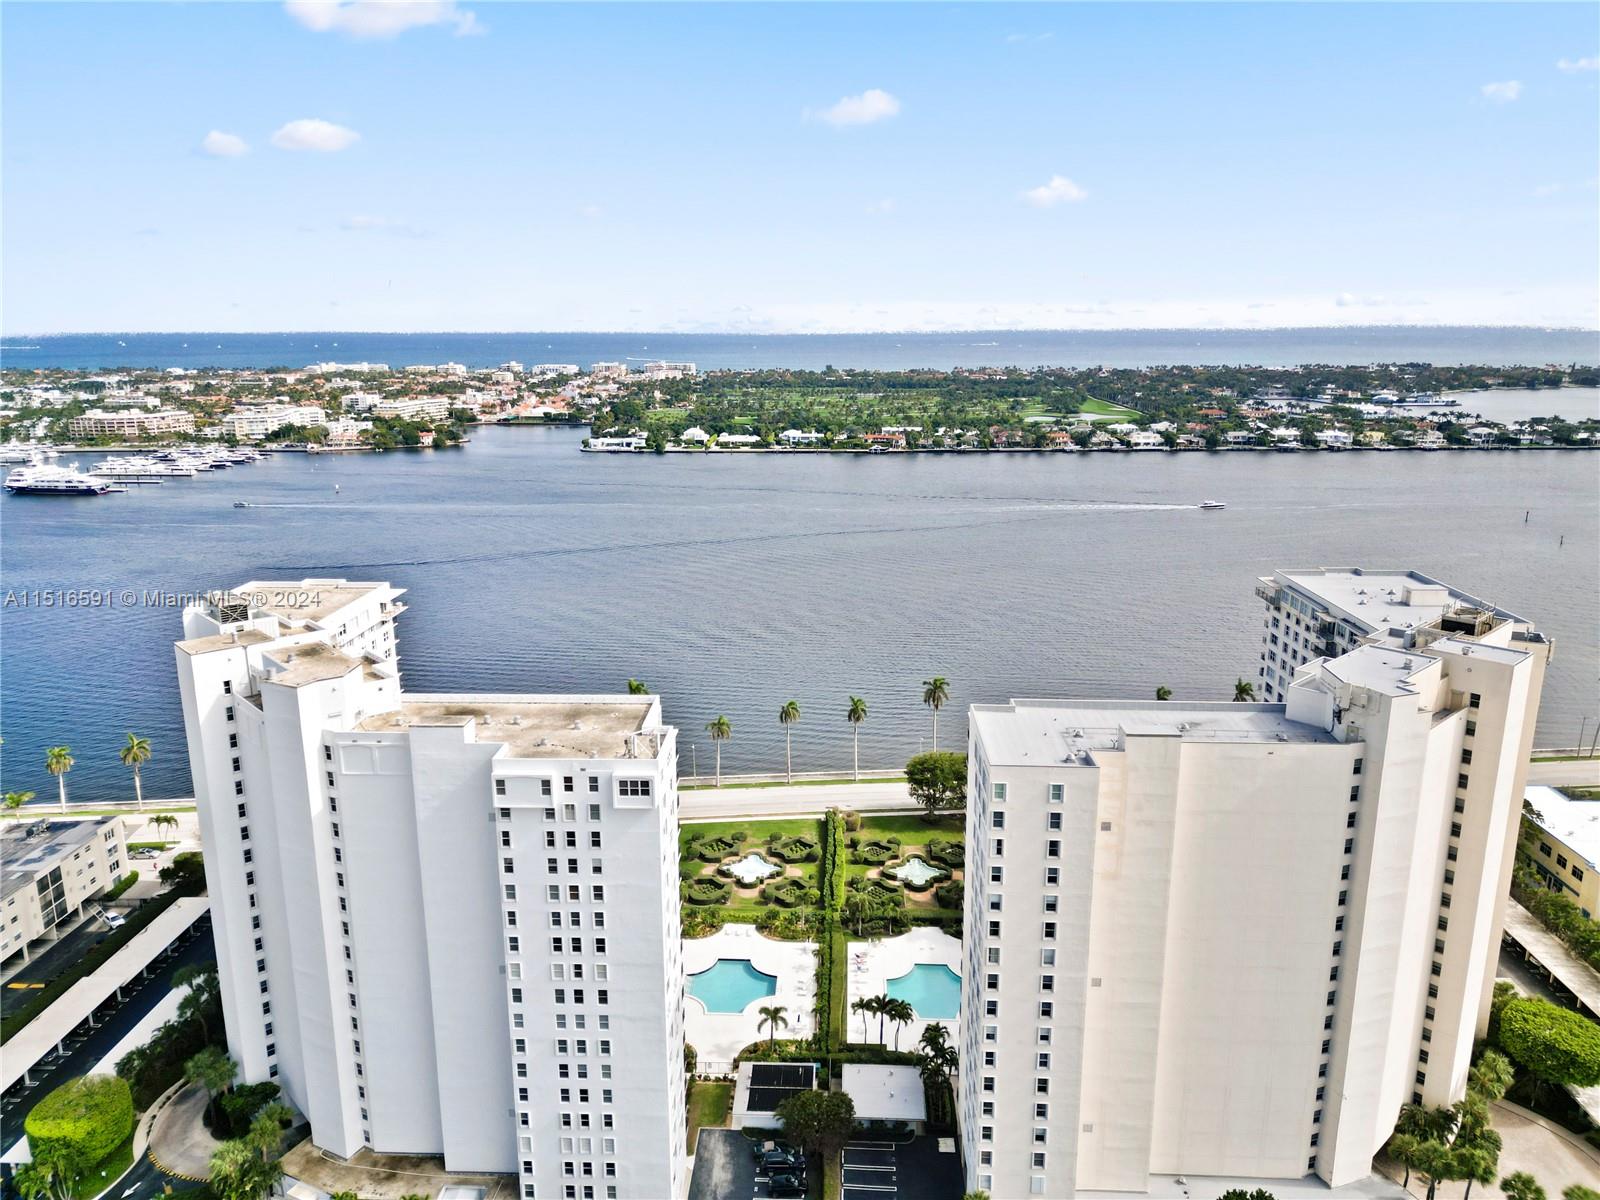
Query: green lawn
(756,832)
(1563,758)
(110,1169)
(1090,407)
(710,1104)
(952,827)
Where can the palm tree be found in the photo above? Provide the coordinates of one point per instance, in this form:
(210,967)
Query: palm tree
(720,729)
(213,1070)
(637,688)
(935,692)
(15,800)
(787,716)
(939,1056)
(855,714)
(1243,692)
(901,1013)
(880,1008)
(862,1005)
(58,761)
(135,754)
(164,821)
(1163,692)
(772,1016)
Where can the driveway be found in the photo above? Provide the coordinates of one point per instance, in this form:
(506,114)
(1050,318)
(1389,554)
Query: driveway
(723,1168)
(180,1143)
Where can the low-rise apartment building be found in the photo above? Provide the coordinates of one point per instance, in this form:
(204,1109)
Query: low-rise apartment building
(129,423)
(52,866)
(1560,840)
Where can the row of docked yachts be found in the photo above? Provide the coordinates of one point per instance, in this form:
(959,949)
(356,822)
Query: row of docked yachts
(41,477)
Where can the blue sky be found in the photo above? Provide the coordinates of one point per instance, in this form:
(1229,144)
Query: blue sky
(796,167)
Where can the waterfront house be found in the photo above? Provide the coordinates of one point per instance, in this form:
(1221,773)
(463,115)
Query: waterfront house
(886,441)
(1334,439)
(798,437)
(1482,435)
(734,441)
(1141,439)
(694,436)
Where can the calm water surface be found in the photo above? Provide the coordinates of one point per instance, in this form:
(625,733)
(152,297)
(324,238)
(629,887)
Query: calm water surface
(732,583)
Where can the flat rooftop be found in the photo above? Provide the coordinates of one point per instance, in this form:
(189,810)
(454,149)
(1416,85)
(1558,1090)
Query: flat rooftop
(29,847)
(530,726)
(310,662)
(1383,598)
(1036,732)
(223,641)
(298,600)
(1575,822)
(1385,669)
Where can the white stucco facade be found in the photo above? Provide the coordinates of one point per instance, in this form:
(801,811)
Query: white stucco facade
(1233,939)
(443,922)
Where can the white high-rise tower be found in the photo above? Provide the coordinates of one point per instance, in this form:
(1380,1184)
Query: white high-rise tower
(1233,939)
(443,922)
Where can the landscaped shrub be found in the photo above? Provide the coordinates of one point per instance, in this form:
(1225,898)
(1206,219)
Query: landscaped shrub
(1554,1043)
(718,848)
(706,890)
(793,849)
(946,853)
(687,871)
(950,895)
(696,922)
(787,891)
(89,1117)
(875,852)
(912,886)
(122,885)
(240,1106)
(852,820)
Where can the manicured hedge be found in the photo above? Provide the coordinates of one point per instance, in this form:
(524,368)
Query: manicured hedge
(950,895)
(788,891)
(1554,1043)
(795,849)
(89,1116)
(240,1106)
(706,890)
(122,885)
(946,853)
(874,852)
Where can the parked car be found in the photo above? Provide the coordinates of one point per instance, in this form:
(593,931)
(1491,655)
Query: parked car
(782,1162)
(786,1185)
(759,1150)
(114,920)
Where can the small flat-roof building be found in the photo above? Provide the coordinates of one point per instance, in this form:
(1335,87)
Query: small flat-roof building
(886,1094)
(51,866)
(760,1087)
(1561,841)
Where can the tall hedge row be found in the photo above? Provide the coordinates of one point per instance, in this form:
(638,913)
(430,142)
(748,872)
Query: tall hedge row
(89,1117)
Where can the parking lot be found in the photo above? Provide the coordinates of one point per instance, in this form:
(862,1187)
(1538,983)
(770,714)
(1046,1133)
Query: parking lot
(871,1170)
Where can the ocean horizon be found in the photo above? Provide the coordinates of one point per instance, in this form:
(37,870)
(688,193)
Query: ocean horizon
(1119,348)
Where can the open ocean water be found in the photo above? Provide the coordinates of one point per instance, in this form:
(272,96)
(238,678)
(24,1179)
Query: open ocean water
(732,583)
(885,351)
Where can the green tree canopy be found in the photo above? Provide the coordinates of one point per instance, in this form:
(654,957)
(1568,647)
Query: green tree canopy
(87,1118)
(1554,1043)
(820,1121)
(938,780)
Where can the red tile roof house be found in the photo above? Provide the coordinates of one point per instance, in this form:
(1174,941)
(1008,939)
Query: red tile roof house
(886,439)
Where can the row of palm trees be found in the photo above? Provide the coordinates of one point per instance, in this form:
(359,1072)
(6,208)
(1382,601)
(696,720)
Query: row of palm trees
(885,1008)
(1244,692)
(935,694)
(58,760)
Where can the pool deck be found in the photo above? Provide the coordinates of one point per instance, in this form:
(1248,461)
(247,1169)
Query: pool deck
(717,1037)
(873,963)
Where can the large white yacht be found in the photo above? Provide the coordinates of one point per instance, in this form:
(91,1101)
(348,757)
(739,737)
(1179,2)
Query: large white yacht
(46,480)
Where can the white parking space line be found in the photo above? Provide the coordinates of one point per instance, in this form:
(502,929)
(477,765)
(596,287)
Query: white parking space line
(868,1187)
(870,1146)
(865,1167)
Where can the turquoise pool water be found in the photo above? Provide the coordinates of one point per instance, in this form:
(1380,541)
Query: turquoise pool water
(933,989)
(731,985)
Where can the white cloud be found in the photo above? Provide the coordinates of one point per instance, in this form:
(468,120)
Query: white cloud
(874,104)
(886,205)
(1547,189)
(1503,92)
(1014,39)
(1060,190)
(1573,65)
(380,18)
(590,211)
(224,145)
(311,133)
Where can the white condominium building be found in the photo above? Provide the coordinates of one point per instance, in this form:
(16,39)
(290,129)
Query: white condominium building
(98,422)
(51,867)
(1233,939)
(445,924)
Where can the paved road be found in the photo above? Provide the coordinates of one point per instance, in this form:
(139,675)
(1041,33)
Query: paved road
(800,800)
(87,1047)
(1585,773)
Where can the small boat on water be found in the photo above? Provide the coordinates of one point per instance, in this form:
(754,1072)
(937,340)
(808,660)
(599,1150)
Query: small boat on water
(1212,504)
(243,504)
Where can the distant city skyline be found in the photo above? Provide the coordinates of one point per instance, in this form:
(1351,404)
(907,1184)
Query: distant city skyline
(797,169)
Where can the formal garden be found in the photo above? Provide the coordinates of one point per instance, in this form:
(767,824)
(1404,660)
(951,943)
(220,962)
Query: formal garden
(899,871)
